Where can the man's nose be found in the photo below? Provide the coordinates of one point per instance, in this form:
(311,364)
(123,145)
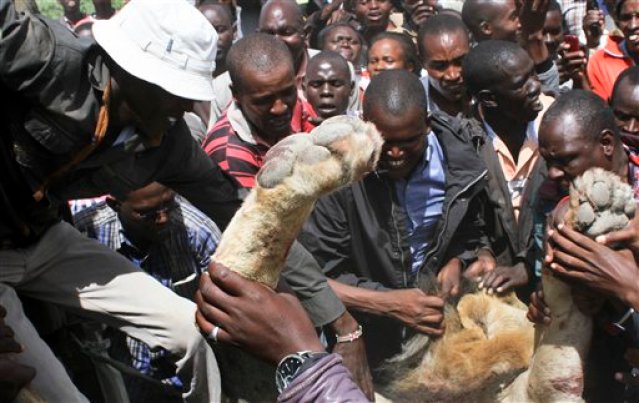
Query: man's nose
(279,107)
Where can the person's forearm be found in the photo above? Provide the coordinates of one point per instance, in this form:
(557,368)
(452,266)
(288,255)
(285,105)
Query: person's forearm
(536,47)
(361,299)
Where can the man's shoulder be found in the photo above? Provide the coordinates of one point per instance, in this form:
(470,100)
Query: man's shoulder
(219,135)
(194,219)
(94,217)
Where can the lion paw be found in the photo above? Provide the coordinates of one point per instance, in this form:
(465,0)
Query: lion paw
(354,144)
(600,202)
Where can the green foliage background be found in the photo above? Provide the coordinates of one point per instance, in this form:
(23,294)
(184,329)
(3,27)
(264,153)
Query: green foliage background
(52,8)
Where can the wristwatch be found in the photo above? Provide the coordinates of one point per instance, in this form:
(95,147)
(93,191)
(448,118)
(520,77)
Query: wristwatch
(294,364)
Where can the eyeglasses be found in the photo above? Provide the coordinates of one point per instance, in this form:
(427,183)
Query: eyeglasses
(153,215)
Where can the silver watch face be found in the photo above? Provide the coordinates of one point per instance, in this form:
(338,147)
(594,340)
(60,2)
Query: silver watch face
(286,371)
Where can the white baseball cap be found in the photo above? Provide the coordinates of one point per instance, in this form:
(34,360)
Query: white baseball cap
(165,42)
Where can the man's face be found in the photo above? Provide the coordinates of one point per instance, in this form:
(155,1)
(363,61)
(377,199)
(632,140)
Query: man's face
(553,31)
(150,108)
(628,21)
(146,212)
(280,21)
(568,151)
(328,87)
(419,10)
(373,13)
(517,95)
(386,54)
(346,42)
(505,25)
(625,105)
(223,26)
(442,58)
(404,140)
(267,99)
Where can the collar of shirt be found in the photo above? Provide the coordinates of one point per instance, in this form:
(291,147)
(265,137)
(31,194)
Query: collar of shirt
(531,133)
(432,106)
(421,171)
(526,153)
(242,127)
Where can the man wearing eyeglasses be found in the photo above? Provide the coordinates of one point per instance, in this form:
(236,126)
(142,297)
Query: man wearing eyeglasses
(168,238)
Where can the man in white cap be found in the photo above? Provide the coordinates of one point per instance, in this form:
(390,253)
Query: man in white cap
(85,119)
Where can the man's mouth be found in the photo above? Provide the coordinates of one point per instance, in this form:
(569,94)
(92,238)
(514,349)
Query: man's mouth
(395,164)
(535,103)
(326,107)
(374,17)
(634,38)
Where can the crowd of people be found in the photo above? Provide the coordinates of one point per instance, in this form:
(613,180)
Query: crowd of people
(130,137)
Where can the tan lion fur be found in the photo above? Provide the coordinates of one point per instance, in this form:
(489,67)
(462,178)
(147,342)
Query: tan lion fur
(487,340)
(486,353)
(297,171)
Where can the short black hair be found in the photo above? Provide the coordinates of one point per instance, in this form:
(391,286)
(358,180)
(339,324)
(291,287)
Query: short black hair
(405,42)
(330,56)
(256,52)
(630,76)
(590,111)
(474,12)
(321,37)
(553,5)
(438,25)
(231,10)
(483,66)
(394,92)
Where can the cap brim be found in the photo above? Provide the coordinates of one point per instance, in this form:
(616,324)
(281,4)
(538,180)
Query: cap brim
(147,67)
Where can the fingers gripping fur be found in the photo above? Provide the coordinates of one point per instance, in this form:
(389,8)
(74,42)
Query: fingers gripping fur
(296,171)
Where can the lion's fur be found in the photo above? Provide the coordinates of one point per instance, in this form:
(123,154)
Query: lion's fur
(487,340)
(297,171)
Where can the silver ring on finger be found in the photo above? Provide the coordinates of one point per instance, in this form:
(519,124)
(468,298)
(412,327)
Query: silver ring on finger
(213,335)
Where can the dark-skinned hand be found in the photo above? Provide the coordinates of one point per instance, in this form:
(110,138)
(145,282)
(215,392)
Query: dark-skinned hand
(572,66)
(354,358)
(415,309)
(353,353)
(449,278)
(485,263)
(13,376)
(538,311)
(579,259)
(532,15)
(504,278)
(252,316)
(596,18)
(627,237)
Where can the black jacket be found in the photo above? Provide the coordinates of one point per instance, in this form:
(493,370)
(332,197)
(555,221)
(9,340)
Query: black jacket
(358,234)
(51,86)
(512,241)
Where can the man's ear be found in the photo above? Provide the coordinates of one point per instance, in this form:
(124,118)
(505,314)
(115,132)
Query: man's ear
(607,142)
(114,204)
(486,29)
(353,87)
(487,98)
(234,30)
